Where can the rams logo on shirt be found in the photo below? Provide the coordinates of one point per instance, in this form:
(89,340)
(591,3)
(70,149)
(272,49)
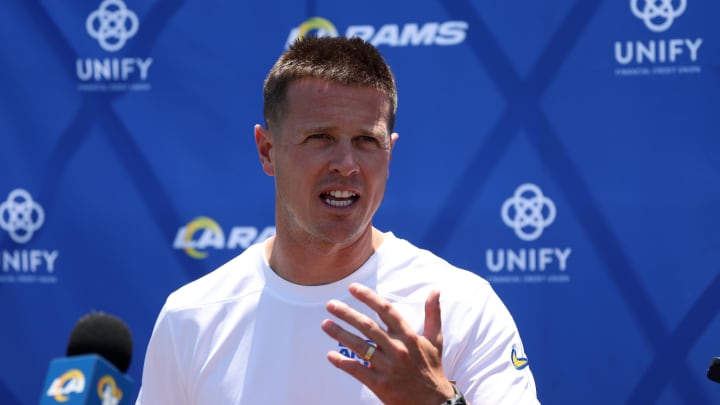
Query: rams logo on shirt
(518,358)
(345,351)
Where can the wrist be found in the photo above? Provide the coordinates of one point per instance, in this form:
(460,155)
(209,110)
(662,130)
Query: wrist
(457,399)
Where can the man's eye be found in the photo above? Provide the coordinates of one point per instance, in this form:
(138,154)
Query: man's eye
(368,138)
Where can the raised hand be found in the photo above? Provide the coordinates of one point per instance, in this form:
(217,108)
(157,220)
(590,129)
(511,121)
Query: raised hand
(404,367)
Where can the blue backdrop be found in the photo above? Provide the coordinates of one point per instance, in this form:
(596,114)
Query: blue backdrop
(567,151)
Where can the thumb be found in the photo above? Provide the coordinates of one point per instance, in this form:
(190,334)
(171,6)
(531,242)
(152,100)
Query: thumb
(432,330)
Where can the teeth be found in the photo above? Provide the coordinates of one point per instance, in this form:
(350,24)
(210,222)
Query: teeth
(339,198)
(341,194)
(336,203)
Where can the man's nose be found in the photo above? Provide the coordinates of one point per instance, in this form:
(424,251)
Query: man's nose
(344,159)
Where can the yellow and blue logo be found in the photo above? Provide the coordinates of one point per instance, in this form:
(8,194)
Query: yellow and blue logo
(519,361)
(70,382)
(318,24)
(108,390)
(204,233)
(200,224)
(440,33)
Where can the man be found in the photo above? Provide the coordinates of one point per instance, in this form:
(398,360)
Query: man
(400,324)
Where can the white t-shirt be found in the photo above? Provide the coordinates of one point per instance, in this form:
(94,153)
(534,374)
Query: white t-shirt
(243,335)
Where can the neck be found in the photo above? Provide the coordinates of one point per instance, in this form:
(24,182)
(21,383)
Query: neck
(319,263)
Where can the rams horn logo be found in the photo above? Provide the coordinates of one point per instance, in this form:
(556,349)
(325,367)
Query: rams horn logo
(518,362)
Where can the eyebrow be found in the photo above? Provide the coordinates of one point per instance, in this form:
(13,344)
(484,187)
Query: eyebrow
(320,129)
(333,129)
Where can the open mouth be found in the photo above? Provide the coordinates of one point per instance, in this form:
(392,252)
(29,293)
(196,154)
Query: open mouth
(338,198)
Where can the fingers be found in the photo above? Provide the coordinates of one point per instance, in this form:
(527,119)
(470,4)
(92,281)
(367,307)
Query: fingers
(355,343)
(387,313)
(391,317)
(405,367)
(360,321)
(397,327)
(353,367)
(360,370)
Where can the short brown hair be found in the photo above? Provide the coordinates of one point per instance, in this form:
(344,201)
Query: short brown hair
(347,61)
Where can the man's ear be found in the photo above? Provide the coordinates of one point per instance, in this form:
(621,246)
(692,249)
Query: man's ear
(264,142)
(393,138)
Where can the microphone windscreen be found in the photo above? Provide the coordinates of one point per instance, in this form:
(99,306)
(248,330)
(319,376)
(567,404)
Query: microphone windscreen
(105,335)
(714,369)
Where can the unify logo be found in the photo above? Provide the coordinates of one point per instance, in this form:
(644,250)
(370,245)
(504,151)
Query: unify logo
(658,56)
(411,34)
(21,216)
(658,15)
(529,212)
(203,233)
(112,25)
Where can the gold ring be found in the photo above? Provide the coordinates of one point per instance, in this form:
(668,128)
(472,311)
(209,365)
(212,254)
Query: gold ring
(369,353)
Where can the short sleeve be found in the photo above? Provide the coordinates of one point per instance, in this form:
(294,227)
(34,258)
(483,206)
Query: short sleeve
(162,381)
(490,364)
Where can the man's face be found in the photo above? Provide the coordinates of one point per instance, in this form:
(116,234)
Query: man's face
(330,156)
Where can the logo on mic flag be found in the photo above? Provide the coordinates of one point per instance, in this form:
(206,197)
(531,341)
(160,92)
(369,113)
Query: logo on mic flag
(85,379)
(108,391)
(70,382)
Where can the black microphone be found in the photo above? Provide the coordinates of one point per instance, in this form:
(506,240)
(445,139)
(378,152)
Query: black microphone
(102,334)
(93,373)
(713,372)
